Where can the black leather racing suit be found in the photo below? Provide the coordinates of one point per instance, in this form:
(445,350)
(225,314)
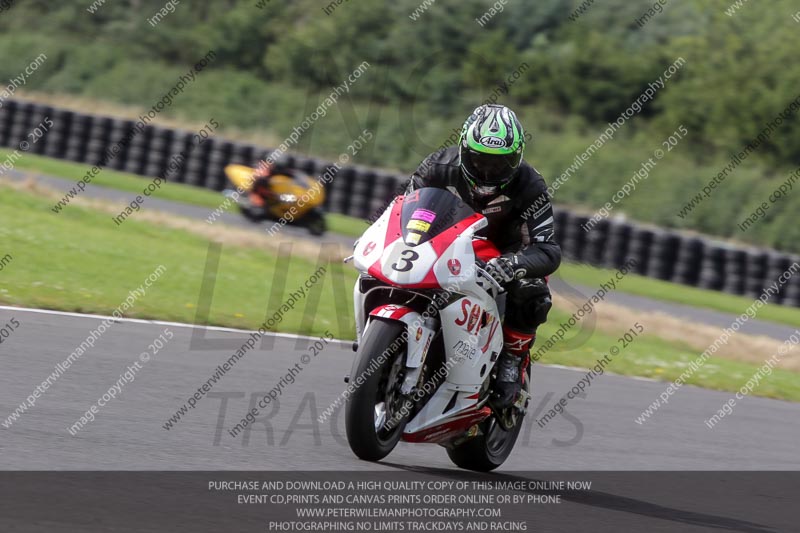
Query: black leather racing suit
(520,224)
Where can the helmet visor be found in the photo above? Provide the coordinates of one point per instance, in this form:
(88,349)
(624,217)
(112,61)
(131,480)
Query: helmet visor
(490,169)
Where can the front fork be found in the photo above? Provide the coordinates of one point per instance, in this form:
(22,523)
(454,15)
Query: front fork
(419,333)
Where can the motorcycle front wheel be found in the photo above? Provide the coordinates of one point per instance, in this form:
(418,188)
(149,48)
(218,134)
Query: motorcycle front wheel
(251,214)
(373,417)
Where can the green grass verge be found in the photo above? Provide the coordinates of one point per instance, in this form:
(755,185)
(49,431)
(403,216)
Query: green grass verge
(653,357)
(354,227)
(78,261)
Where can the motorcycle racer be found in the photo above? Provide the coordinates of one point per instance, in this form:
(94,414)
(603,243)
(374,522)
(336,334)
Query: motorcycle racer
(487,172)
(261,191)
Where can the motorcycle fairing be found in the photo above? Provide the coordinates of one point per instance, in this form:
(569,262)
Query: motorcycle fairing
(383,253)
(472,332)
(418,339)
(472,339)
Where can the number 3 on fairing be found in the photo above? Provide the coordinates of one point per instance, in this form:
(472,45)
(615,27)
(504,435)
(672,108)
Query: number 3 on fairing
(408,262)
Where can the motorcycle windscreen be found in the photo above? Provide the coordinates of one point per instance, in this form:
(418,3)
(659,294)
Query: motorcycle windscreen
(429,211)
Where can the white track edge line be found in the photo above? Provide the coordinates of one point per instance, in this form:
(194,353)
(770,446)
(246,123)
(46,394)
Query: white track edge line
(159,322)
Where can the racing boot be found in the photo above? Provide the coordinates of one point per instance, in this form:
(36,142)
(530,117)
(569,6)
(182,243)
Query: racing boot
(511,366)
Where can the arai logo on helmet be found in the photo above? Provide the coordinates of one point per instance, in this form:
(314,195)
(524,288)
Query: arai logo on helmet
(492,142)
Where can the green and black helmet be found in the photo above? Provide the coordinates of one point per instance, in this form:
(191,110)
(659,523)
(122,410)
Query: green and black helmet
(492,141)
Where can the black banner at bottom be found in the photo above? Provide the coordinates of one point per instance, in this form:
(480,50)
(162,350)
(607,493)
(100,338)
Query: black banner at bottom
(398,501)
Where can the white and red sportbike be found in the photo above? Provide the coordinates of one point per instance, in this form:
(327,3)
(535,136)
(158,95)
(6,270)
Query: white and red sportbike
(428,321)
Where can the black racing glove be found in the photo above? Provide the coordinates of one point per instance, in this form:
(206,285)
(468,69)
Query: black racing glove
(505,269)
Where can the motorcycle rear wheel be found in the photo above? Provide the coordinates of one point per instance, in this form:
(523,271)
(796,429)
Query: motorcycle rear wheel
(315,222)
(491,448)
(369,408)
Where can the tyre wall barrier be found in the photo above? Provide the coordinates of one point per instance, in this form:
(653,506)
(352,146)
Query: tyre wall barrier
(361,192)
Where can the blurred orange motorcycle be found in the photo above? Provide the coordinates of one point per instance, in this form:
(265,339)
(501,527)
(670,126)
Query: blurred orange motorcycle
(264,194)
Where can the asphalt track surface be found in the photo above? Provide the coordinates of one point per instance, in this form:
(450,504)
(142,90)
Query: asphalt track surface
(579,293)
(597,432)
